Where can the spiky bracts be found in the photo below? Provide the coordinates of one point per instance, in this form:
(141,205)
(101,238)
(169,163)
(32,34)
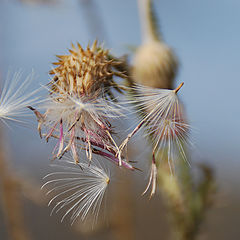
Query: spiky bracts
(78,113)
(85,72)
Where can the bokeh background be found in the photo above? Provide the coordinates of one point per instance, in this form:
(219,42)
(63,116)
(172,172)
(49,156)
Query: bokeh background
(205,36)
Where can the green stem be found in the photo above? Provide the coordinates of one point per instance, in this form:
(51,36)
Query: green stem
(148,21)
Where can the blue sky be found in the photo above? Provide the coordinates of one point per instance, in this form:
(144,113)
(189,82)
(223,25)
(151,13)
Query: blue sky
(204,34)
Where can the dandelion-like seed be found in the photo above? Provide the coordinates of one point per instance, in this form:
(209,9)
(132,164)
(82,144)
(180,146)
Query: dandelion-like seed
(165,123)
(16,96)
(78,109)
(78,190)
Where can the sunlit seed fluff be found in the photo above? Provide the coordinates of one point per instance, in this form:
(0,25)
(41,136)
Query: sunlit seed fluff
(164,121)
(154,65)
(16,95)
(77,190)
(84,71)
(78,109)
(79,123)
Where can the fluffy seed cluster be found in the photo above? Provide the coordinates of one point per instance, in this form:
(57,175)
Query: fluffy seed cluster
(77,110)
(165,123)
(164,119)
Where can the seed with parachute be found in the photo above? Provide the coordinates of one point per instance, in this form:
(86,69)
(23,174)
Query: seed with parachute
(77,189)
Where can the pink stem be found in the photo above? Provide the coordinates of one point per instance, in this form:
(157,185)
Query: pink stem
(73,147)
(51,132)
(100,145)
(61,139)
(113,159)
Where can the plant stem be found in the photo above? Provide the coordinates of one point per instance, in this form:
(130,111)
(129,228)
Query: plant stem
(10,196)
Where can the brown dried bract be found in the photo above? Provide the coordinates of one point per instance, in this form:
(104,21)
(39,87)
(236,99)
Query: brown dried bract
(84,72)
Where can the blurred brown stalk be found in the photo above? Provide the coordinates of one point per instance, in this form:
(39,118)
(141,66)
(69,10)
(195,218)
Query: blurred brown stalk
(10,198)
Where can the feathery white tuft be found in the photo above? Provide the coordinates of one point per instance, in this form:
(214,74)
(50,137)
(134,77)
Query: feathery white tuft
(164,121)
(72,118)
(163,118)
(16,96)
(79,189)
(69,107)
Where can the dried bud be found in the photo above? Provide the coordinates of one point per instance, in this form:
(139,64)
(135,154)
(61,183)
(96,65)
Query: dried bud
(155,65)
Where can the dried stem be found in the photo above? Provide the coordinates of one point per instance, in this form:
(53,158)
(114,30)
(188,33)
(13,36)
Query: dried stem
(122,213)
(148,21)
(11,200)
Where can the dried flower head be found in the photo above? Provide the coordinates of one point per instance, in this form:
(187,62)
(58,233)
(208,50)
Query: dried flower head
(78,189)
(84,72)
(165,124)
(85,120)
(77,110)
(16,96)
(155,65)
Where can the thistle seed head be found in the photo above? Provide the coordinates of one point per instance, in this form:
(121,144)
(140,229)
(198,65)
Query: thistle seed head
(83,72)
(77,108)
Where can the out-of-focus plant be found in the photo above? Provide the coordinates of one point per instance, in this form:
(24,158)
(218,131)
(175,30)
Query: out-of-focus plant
(45,2)
(79,112)
(14,98)
(155,66)
(94,20)
(10,192)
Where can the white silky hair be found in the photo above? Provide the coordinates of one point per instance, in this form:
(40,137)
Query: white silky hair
(67,105)
(78,189)
(163,118)
(16,95)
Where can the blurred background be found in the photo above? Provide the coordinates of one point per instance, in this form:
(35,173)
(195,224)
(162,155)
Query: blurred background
(205,36)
